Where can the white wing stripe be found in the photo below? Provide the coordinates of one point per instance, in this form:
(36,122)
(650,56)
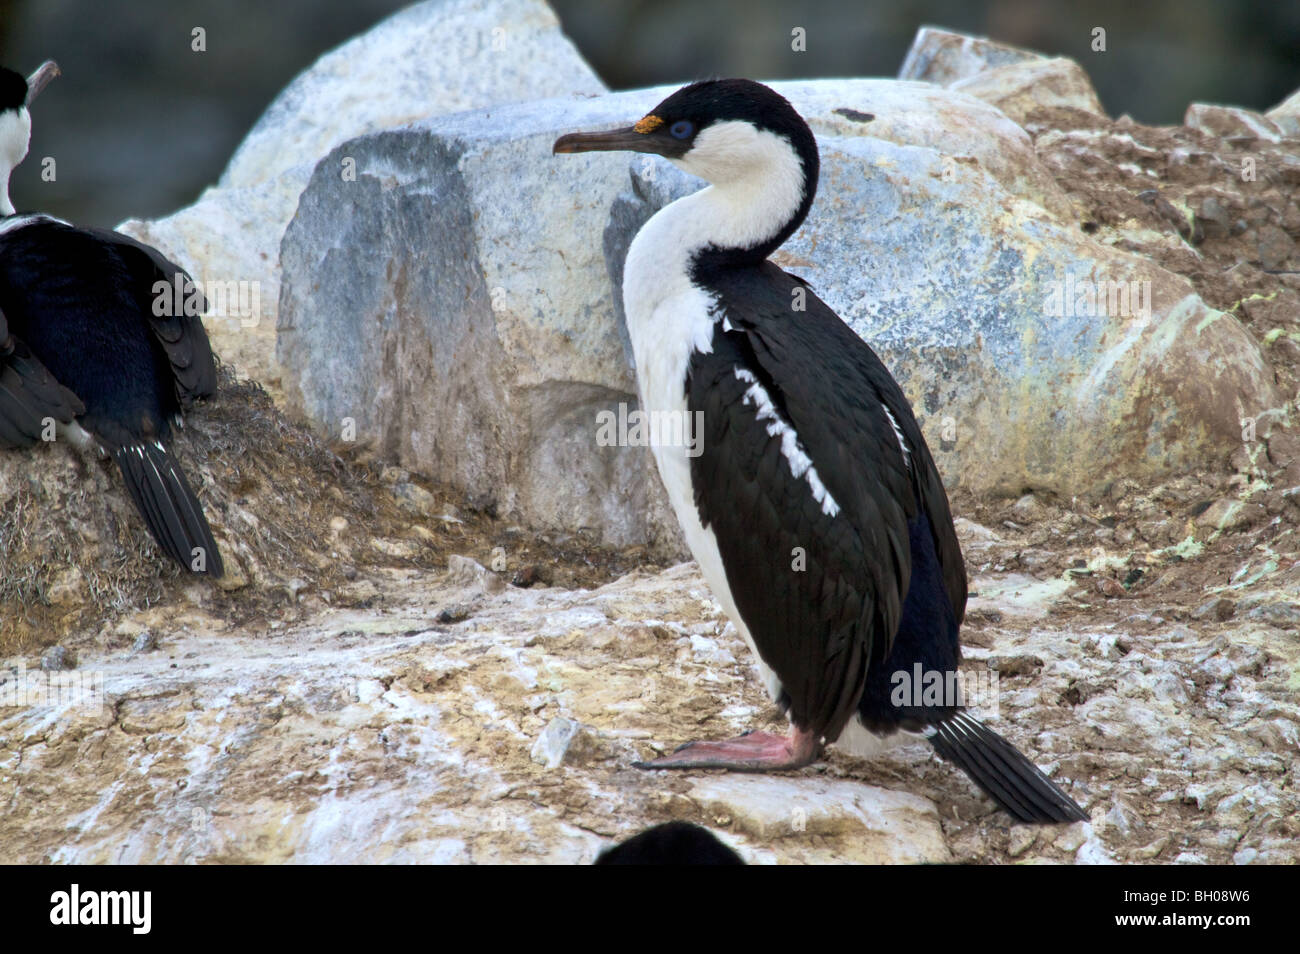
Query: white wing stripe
(801,464)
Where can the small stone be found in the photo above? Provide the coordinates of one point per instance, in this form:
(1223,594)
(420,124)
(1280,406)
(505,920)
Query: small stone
(527,576)
(564,741)
(1279,614)
(1219,608)
(1073,837)
(1224,514)
(58,658)
(234,578)
(415,499)
(423,534)
(453,614)
(398,549)
(1275,248)
(1112,589)
(1230,122)
(144,643)
(1021,839)
(1027,510)
(463,571)
(1093,852)
(68,587)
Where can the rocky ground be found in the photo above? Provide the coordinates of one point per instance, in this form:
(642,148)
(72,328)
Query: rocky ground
(420,714)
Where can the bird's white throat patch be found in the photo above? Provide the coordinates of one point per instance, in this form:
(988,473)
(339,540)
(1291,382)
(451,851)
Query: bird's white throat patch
(757,183)
(15,135)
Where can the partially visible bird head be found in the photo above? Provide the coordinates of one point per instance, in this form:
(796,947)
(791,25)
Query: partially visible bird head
(720,130)
(16,94)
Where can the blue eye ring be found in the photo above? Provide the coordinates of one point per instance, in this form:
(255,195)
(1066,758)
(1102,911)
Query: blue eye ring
(682,129)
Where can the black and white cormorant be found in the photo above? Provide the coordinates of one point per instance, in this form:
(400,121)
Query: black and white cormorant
(85,354)
(809,448)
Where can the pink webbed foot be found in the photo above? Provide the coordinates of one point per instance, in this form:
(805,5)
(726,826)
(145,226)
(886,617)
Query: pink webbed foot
(751,752)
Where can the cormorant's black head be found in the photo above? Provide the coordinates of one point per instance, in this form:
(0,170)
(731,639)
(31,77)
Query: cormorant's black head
(13,90)
(17,93)
(720,130)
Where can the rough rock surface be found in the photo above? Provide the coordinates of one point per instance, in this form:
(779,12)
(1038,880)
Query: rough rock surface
(1231,122)
(456,722)
(477,341)
(1015,80)
(433,58)
(1287,114)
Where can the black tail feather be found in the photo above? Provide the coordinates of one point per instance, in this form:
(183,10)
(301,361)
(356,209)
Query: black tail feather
(1005,775)
(168,505)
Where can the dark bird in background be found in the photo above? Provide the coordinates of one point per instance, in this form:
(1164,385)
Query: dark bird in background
(813,507)
(93,350)
(672,843)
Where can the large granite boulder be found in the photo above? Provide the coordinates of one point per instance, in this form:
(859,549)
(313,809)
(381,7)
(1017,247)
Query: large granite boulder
(433,58)
(457,305)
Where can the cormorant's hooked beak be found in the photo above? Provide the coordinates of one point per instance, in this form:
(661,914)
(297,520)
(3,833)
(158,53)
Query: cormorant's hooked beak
(648,135)
(38,80)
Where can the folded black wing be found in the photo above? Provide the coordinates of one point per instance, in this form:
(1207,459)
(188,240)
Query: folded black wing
(816,341)
(809,490)
(30,396)
(179,330)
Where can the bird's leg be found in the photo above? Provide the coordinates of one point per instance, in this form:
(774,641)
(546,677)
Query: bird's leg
(751,752)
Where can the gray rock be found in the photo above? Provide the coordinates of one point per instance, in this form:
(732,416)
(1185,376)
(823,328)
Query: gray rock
(415,499)
(1016,81)
(554,741)
(1020,839)
(1231,122)
(58,659)
(883,827)
(565,741)
(1286,115)
(475,337)
(433,58)
(145,642)
(463,571)
(1217,608)
(945,56)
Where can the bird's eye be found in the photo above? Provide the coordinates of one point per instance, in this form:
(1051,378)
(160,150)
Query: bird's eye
(681,129)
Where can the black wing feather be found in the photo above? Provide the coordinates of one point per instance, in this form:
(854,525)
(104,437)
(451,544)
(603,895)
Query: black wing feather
(787,342)
(182,336)
(759,513)
(819,629)
(29,394)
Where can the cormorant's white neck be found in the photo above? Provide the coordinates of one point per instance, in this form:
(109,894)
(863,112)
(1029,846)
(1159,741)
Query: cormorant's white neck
(6,207)
(15,134)
(758,189)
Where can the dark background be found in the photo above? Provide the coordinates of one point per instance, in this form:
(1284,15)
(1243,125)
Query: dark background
(139,124)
